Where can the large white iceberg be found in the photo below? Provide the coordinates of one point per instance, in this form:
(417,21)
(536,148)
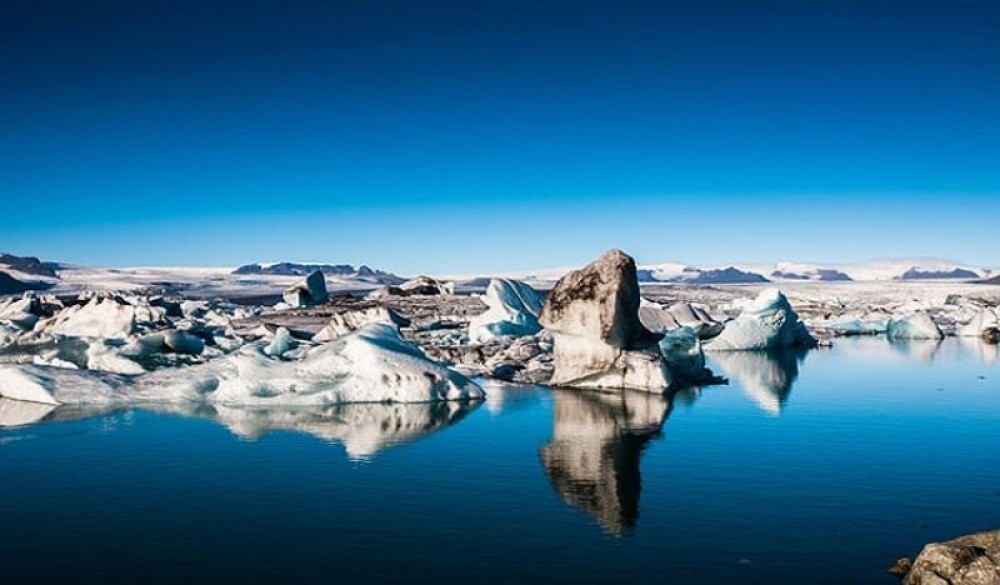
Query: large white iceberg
(915,326)
(103,317)
(373,364)
(513,309)
(766,323)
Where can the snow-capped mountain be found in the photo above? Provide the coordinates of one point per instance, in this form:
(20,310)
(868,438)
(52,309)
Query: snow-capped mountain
(342,271)
(785,272)
(878,270)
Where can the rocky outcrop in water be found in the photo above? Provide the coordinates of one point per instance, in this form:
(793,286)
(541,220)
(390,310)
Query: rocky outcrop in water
(593,315)
(968,560)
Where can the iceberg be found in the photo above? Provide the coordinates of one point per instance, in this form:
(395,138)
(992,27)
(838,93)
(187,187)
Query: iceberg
(373,364)
(658,319)
(419,286)
(984,325)
(682,351)
(766,323)
(344,323)
(599,342)
(512,310)
(915,326)
(308,292)
(100,317)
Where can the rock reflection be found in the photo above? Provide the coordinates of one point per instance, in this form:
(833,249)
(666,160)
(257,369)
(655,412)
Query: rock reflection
(363,429)
(765,376)
(592,459)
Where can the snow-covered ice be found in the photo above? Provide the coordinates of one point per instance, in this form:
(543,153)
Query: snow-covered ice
(373,364)
(513,309)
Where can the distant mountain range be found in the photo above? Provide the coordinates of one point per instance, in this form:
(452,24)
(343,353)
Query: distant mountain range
(28,265)
(342,271)
(875,271)
(19,274)
(885,270)
(23,273)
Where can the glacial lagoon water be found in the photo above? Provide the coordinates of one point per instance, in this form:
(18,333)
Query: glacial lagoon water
(821,467)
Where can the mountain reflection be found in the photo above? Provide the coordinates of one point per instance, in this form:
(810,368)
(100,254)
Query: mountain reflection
(363,429)
(592,459)
(766,376)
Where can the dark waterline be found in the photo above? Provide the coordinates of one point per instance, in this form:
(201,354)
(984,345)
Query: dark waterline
(810,468)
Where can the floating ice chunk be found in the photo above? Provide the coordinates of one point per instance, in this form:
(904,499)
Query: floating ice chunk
(344,323)
(513,309)
(107,356)
(985,325)
(915,326)
(682,350)
(106,318)
(848,325)
(282,343)
(768,322)
(311,291)
(659,319)
(17,312)
(419,286)
(22,383)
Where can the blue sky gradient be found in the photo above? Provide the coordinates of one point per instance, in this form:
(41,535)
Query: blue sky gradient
(478,135)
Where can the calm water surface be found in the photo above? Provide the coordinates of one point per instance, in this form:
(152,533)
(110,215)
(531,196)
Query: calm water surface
(807,468)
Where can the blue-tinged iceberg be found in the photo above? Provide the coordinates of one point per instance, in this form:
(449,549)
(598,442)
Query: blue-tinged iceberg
(768,322)
(915,326)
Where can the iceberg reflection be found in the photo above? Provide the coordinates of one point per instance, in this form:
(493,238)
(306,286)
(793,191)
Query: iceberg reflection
(766,376)
(593,457)
(922,350)
(16,413)
(364,429)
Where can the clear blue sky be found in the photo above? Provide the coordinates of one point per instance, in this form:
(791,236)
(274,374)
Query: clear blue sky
(477,135)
